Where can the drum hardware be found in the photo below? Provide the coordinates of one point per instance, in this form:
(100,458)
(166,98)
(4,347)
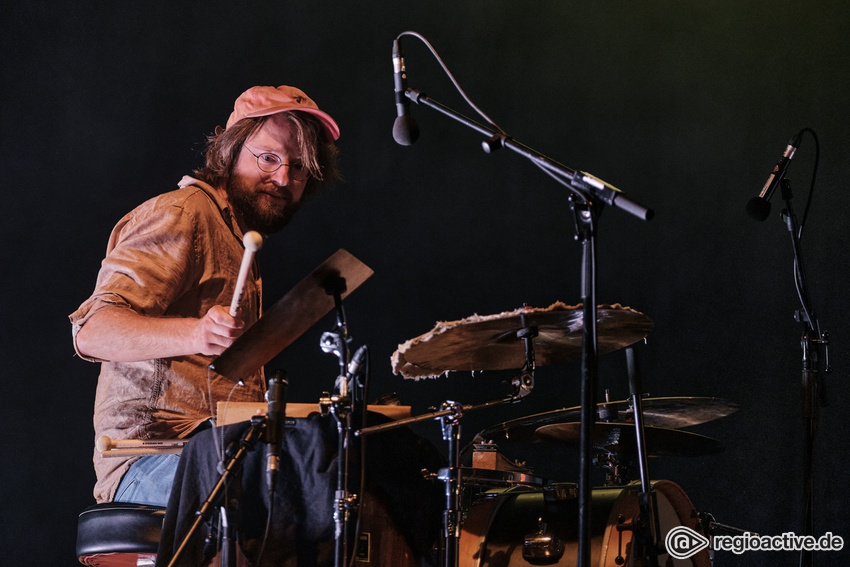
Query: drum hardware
(340,406)
(559,491)
(616,473)
(646,533)
(449,415)
(542,547)
(710,527)
(622,526)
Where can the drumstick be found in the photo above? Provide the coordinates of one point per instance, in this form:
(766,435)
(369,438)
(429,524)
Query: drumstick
(138,447)
(141,452)
(105,443)
(253,242)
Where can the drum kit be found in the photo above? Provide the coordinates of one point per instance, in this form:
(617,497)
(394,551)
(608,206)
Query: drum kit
(508,516)
(497,512)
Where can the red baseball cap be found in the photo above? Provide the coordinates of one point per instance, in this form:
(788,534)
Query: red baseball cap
(263,101)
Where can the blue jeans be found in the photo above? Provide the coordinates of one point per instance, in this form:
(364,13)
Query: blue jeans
(148,481)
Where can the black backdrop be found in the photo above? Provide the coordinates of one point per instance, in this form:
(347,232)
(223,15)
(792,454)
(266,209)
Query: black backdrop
(685,106)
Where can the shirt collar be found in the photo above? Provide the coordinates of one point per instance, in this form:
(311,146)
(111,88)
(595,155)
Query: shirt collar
(220,201)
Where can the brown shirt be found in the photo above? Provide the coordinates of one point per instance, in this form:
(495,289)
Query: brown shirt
(175,255)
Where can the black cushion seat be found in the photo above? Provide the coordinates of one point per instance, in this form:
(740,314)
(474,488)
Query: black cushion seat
(118,529)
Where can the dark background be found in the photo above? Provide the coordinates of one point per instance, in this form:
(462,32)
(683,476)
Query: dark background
(686,106)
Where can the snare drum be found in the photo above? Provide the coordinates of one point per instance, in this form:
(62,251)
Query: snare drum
(495,529)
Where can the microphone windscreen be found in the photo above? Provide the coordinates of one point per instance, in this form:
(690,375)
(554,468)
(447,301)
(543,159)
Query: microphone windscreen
(405,130)
(758,209)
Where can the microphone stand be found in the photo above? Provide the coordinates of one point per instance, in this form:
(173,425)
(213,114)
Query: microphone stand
(234,462)
(812,384)
(589,193)
(578,181)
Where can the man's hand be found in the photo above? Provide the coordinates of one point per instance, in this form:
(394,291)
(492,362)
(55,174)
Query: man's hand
(217,330)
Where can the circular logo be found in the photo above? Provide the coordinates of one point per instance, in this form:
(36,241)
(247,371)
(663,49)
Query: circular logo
(683,542)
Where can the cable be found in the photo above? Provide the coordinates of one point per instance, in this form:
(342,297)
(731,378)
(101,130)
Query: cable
(453,80)
(554,175)
(812,186)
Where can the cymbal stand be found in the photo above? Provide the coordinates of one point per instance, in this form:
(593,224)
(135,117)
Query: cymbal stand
(449,414)
(647,528)
(340,407)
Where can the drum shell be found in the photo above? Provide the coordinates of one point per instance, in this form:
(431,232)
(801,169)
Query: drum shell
(494,529)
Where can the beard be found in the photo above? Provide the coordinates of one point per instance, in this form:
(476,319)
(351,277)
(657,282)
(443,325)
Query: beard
(257,212)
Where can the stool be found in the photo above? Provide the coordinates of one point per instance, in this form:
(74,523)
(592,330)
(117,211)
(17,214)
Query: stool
(119,534)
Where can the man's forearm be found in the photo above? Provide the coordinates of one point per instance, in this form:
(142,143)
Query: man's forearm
(122,335)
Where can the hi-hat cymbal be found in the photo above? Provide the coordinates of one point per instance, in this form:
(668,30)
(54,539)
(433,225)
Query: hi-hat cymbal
(670,412)
(621,439)
(491,342)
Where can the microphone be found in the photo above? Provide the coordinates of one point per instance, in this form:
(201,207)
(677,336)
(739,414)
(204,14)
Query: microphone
(759,206)
(275,422)
(354,369)
(405,128)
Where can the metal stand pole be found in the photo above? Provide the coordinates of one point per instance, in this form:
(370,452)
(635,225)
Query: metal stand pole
(812,388)
(451,478)
(647,528)
(341,409)
(584,215)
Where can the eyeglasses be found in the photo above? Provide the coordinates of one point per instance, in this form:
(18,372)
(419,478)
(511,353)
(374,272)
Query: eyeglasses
(270,163)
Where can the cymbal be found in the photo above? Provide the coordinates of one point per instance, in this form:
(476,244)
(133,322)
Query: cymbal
(673,413)
(621,438)
(293,314)
(491,343)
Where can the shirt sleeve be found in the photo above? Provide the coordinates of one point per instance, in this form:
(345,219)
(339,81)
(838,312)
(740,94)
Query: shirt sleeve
(151,260)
